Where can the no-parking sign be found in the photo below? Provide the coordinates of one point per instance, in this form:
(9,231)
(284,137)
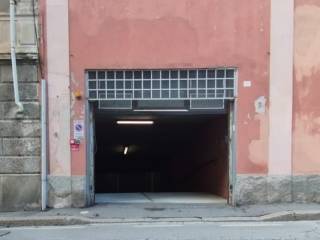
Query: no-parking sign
(78,129)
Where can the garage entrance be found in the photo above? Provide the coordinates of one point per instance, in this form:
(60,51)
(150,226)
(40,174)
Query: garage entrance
(175,148)
(178,153)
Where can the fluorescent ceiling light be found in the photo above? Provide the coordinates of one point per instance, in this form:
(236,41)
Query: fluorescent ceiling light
(125,150)
(135,122)
(161,110)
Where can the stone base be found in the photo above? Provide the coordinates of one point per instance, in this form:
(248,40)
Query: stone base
(65,191)
(255,189)
(20,192)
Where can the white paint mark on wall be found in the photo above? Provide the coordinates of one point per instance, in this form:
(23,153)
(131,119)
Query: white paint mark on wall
(247,84)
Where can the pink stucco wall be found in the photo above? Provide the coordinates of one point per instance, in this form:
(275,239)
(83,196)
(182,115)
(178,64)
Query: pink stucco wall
(178,34)
(306,125)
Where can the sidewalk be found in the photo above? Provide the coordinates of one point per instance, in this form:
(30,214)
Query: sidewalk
(130,213)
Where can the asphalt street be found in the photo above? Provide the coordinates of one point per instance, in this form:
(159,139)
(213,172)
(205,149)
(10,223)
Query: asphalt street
(184,231)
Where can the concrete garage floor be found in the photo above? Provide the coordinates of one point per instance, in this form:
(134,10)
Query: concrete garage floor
(177,197)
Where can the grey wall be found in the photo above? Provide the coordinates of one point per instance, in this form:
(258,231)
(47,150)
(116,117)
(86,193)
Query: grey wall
(26,37)
(19,140)
(19,134)
(257,189)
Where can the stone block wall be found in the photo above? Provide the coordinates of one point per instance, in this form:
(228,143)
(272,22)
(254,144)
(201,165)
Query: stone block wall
(26,38)
(20,185)
(66,191)
(259,189)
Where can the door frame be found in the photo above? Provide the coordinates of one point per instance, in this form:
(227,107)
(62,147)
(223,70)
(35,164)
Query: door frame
(90,154)
(232,153)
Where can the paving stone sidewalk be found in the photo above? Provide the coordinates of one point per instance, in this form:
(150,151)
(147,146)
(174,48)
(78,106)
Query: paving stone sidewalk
(121,213)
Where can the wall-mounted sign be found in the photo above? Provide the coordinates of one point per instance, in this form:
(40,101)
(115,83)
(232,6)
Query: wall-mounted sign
(78,129)
(246,84)
(75,144)
(75,147)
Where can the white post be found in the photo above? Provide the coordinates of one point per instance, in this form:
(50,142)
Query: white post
(43,145)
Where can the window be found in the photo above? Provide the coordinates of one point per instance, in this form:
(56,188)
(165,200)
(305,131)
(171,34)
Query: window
(175,84)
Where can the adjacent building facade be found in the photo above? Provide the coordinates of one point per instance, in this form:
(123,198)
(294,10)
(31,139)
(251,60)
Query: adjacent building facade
(20,150)
(103,60)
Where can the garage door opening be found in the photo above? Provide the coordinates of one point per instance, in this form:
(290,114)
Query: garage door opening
(183,154)
(177,158)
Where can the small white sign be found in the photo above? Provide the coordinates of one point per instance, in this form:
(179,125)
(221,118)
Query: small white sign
(246,83)
(78,129)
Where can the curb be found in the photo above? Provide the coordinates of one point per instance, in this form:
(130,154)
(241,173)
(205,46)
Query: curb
(72,220)
(299,215)
(42,221)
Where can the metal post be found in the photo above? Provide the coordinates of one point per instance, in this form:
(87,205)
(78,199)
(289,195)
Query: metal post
(43,145)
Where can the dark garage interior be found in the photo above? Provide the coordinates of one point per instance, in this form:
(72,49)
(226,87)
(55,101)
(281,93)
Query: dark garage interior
(178,153)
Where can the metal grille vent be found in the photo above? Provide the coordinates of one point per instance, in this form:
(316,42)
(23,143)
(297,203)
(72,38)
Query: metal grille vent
(176,84)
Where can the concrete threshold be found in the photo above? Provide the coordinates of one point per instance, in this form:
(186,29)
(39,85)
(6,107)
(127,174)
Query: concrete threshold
(163,197)
(79,220)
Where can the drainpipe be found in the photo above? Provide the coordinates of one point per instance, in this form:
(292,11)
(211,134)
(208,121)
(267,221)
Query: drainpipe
(43,145)
(13,54)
